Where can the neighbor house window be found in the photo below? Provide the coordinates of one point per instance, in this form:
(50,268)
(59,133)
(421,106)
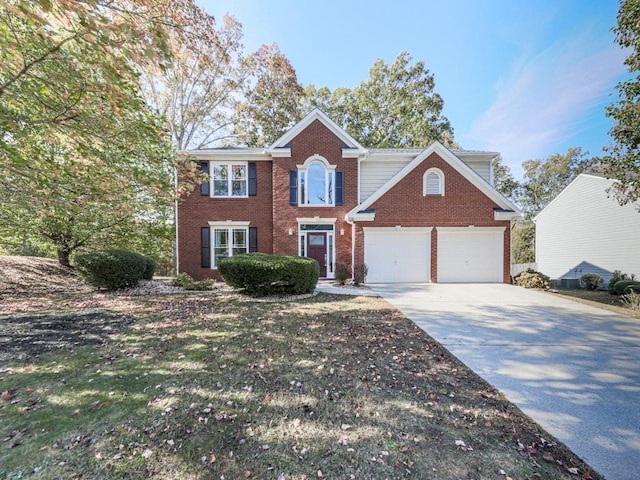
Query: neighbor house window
(316,183)
(229,179)
(433,182)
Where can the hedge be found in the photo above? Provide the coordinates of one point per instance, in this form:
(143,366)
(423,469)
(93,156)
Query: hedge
(112,269)
(260,274)
(625,286)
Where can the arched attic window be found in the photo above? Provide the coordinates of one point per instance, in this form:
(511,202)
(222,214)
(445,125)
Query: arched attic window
(433,182)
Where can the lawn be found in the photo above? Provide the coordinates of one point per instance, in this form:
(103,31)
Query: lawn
(218,386)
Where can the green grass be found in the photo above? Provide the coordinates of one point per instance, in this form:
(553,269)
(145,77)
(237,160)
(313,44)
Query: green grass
(207,386)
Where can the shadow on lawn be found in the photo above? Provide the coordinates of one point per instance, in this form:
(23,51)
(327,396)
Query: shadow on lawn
(203,388)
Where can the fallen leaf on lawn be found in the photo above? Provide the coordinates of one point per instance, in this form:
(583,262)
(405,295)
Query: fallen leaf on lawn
(345,426)
(147,453)
(212,458)
(460,443)
(586,476)
(573,470)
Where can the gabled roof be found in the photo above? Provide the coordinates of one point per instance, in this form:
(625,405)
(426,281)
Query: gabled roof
(454,162)
(312,116)
(606,183)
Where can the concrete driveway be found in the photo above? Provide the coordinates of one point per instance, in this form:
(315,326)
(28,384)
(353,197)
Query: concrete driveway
(575,369)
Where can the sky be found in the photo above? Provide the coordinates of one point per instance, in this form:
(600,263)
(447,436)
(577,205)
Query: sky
(527,78)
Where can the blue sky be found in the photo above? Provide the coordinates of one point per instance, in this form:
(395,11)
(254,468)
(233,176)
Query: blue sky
(527,78)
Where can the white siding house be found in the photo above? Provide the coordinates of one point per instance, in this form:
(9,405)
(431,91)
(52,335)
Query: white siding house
(585,230)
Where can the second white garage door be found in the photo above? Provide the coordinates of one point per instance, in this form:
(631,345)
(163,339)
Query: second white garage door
(397,254)
(470,254)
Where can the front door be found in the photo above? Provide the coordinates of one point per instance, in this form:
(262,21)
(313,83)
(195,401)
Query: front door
(317,249)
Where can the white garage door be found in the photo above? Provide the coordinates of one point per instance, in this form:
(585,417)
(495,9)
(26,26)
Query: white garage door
(470,254)
(397,254)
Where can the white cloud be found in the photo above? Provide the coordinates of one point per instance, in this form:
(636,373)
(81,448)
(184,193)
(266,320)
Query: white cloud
(546,101)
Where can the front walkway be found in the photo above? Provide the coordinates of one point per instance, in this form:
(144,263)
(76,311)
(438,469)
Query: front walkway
(330,286)
(573,368)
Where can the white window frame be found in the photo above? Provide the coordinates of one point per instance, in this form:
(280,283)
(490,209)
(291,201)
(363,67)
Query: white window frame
(329,179)
(230,180)
(229,226)
(440,175)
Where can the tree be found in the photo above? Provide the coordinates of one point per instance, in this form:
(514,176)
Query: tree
(75,204)
(77,142)
(623,163)
(523,236)
(272,98)
(504,182)
(198,94)
(396,107)
(545,179)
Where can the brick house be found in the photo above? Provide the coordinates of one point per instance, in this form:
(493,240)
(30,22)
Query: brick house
(411,215)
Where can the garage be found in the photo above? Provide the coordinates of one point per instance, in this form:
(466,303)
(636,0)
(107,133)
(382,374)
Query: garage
(470,254)
(397,254)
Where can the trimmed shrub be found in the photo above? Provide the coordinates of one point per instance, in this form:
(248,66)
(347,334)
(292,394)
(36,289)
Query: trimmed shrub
(185,281)
(260,274)
(111,269)
(625,286)
(532,279)
(360,272)
(149,268)
(342,273)
(616,277)
(591,281)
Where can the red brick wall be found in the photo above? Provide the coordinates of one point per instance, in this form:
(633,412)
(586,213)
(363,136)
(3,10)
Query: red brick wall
(462,205)
(195,211)
(315,139)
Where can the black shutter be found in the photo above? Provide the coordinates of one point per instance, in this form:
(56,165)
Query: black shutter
(205,247)
(253,239)
(339,187)
(204,186)
(253,182)
(293,187)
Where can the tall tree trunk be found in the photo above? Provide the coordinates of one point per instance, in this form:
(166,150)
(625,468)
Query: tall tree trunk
(63,256)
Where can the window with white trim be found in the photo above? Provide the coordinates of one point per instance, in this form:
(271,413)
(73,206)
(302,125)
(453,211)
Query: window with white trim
(229,179)
(228,242)
(433,182)
(317,183)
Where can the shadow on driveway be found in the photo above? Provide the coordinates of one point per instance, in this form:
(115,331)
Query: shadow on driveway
(573,368)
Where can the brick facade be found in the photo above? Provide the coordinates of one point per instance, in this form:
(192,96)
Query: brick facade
(277,221)
(463,204)
(196,211)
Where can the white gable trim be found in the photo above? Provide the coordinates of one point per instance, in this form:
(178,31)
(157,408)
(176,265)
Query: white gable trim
(454,162)
(354,148)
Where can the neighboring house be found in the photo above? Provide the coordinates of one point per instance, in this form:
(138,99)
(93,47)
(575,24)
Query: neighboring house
(585,230)
(411,215)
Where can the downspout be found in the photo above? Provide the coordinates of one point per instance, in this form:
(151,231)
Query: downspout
(175,216)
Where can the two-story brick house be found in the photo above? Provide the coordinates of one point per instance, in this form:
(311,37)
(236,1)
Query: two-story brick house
(411,215)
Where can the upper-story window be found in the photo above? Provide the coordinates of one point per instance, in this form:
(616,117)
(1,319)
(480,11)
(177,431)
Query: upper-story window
(316,183)
(433,182)
(229,179)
